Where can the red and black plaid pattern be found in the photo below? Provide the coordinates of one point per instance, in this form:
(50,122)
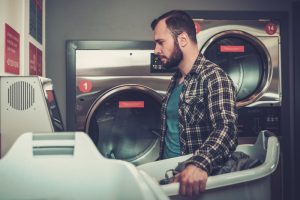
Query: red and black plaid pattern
(207,115)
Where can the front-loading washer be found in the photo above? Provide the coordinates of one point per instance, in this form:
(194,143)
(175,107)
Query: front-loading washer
(249,51)
(118,100)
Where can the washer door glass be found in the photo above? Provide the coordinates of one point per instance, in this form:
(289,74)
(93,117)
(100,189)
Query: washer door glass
(244,61)
(125,124)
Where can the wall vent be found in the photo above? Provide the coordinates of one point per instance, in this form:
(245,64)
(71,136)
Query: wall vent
(21,95)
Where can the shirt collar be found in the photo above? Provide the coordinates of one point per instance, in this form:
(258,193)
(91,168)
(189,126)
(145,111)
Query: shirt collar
(196,69)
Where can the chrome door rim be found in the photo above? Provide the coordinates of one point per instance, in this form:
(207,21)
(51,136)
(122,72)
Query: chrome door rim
(147,154)
(268,70)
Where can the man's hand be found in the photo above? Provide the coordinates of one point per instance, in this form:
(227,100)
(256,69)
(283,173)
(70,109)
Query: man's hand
(192,180)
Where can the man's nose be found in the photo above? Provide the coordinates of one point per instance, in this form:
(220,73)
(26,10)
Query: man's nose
(157,50)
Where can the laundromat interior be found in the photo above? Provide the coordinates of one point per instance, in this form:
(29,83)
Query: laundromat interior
(81,95)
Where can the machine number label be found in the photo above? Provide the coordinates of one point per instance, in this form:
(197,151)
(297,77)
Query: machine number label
(85,86)
(271,28)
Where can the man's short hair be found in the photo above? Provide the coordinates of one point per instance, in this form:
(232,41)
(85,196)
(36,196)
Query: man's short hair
(178,22)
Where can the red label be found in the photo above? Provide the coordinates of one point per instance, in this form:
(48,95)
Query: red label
(39,62)
(197,27)
(271,28)
(32,59)
(50,96)
(85,86)
(131,104)
(12,50)
(224,48)
(35,60)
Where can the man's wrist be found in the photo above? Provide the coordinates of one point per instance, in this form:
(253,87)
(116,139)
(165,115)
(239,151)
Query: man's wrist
(196,164)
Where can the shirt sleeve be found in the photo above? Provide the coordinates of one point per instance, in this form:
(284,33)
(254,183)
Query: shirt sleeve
(221,108)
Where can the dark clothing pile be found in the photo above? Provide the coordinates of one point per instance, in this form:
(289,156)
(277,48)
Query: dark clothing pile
(238,161)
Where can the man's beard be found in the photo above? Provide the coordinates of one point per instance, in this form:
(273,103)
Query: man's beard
(175,57)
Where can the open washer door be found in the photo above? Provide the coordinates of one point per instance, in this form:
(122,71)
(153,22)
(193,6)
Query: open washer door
(124,123)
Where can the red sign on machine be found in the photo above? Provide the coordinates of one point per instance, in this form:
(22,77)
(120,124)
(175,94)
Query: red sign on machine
(131,104)
(11,50)
(271,28)
(197,27)
(85,86)
(233,49)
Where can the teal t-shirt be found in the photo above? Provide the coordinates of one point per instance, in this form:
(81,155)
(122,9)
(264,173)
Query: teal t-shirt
(172,142)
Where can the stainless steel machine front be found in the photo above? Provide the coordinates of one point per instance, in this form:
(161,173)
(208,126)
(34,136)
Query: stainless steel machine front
(118,102)
(249,51)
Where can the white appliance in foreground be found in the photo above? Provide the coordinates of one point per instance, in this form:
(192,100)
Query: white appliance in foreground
(26,104)
(67,166)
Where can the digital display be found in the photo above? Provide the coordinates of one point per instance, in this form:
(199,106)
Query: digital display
(156,66)
(54,111)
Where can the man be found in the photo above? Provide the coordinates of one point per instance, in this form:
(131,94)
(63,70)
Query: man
(199,111)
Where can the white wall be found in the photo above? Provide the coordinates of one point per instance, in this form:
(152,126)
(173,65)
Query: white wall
(15,13)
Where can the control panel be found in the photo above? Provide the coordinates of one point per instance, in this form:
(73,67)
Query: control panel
(156,65)
(251,120)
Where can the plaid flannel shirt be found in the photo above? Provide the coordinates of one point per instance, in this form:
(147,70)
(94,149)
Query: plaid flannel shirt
(207,115)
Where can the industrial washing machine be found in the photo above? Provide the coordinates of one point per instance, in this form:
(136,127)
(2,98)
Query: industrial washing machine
(118,100)
(250,52)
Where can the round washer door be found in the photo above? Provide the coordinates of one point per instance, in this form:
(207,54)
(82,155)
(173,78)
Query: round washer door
(124,123)
(246,61)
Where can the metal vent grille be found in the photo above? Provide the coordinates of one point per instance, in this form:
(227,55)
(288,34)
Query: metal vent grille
(21,95)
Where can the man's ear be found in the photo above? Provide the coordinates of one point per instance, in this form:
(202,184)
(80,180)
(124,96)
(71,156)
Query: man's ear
(183,39)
